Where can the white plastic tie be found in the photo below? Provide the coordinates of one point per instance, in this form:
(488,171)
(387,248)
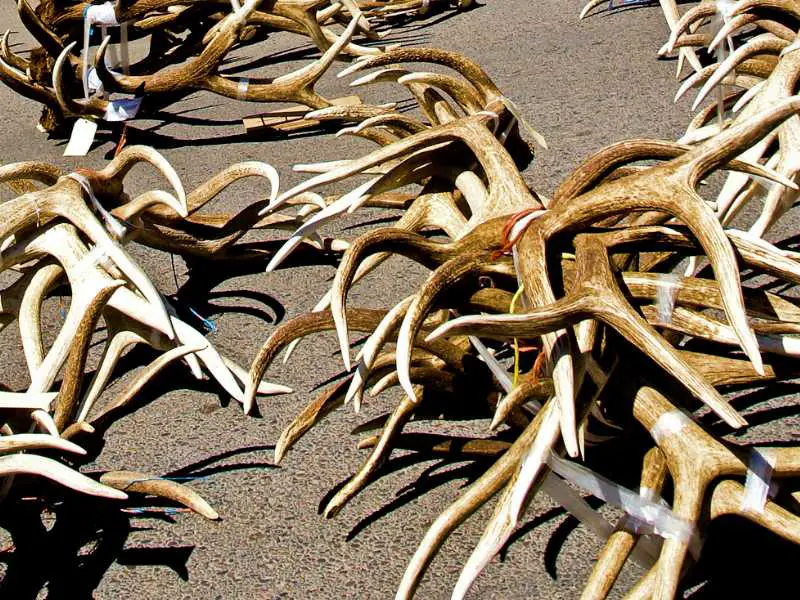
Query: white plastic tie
(96,257)
(668,424)
(791,48)
(241,89)
(647,517)
(112,224)
(759,480)
(666,295)
(494,365)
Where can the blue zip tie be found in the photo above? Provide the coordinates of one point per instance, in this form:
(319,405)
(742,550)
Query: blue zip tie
(209,324)
(167,510)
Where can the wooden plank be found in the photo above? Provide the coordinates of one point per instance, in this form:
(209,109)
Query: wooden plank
(290,119)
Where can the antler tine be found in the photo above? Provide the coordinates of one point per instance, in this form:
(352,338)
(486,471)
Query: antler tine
(297,328)
(588,7)
(25,442)
(31,464)
(49,40)
(140,483)
(445,276)
(320,407)
(697,13)
(93,106)
(695,79)
(400,125)
(116,344)
(9,57)
(412,245)
(291,87)
(106,417)
(470,70)
(118,168)
(400,149)
(765,43)
(416,167)
(33,170)
(66,403)
(380,453)
(19,81)
(208,190)
(781,6)
(463,94)
(469,501)
(372,347)
(736,139)
(38,284)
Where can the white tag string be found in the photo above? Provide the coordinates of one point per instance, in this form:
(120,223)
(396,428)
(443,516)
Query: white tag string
(113,225)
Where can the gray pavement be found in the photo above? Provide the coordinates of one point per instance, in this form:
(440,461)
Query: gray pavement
(583,85)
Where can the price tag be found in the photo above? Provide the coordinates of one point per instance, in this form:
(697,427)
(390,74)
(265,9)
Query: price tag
(81,139)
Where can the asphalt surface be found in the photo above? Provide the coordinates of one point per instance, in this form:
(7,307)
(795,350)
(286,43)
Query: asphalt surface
(582,85)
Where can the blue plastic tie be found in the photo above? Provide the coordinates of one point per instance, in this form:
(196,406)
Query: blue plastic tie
(209,324)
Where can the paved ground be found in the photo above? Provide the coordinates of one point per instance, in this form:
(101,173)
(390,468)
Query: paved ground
(583,85)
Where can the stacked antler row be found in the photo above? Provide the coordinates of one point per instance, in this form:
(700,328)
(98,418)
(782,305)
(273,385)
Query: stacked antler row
(188,46)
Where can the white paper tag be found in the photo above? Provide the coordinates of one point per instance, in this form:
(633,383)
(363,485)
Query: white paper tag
(81,139)
(123,109)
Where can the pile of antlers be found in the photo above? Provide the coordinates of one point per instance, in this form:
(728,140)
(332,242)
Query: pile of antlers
(68,230)
(613,312)
(188,46)
(587,279)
